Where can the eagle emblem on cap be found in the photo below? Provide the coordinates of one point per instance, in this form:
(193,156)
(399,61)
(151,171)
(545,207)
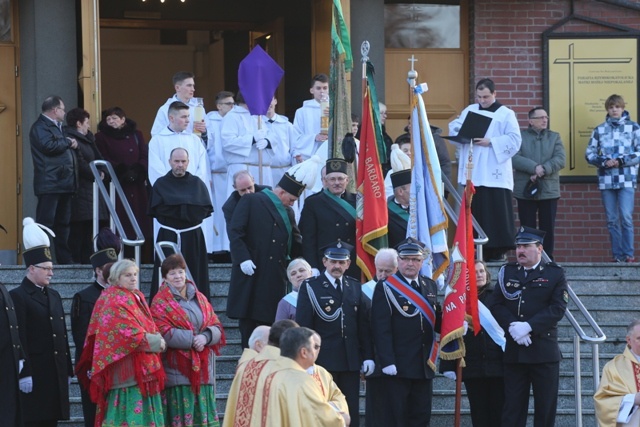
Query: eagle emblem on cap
(339,245)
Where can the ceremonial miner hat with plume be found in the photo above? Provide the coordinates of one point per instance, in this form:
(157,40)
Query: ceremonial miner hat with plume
(36,242)
(300,176)
(109,246)
(401,165)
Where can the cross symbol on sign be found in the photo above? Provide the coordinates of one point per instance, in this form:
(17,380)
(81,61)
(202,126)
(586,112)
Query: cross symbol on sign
(497,174)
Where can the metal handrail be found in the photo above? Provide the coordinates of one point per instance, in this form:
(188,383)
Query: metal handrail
(582,335)
(110,200)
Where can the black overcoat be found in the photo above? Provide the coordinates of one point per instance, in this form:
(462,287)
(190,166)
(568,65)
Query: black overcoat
(397,227)
(43,334)
(323,222)
(10,354)
(257,232)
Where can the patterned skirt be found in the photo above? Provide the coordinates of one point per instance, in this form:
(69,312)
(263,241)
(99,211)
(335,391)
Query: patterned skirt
(127,407)
(184,409)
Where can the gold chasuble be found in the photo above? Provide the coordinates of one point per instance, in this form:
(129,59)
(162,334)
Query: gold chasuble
(620,376)
(292,398)
(244,404)
(329,388)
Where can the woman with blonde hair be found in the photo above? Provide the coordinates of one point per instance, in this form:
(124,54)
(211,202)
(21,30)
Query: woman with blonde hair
(120,364)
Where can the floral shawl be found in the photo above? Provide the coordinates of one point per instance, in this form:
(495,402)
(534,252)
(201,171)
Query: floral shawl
(116,338)
(168,314)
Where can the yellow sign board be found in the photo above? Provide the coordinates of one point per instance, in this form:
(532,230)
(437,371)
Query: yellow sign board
(583,72)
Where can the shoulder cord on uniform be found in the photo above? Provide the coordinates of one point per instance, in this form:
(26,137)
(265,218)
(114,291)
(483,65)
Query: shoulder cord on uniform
(507,295)
(392,298)
(318,309)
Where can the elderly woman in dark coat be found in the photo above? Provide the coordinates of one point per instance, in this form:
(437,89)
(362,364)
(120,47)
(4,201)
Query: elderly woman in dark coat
(80,242)
(122,144)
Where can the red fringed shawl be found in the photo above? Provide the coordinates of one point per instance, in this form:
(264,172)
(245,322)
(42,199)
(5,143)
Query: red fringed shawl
(168,314)
(116,338)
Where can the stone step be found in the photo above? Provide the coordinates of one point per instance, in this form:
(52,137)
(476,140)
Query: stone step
(608,291)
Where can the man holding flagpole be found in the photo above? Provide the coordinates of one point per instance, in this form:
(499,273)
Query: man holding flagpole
(404,320)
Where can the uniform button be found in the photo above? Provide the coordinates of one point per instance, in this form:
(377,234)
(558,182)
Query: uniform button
(522,315)
(54,335)
(524,287)
(270,257)
(337,224)
(50,317)
(131,150)
(55,352)
(346,224)
(274,240)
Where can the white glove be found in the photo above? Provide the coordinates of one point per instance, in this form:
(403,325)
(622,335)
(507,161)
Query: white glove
(259,134)
(315,272)
(519,330)
(465,329)
(69,380)
(525,341)
(450,374)
(368,366)
(26,384)
(390,370)
(20,365)
(248,267)
(261,144)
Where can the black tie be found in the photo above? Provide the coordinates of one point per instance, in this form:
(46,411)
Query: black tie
(271,120)
(527,271)
(415,286)
(44,290)
(338,287)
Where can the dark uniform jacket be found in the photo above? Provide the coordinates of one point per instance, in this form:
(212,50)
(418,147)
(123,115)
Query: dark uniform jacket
(54,162)
(403,341)
(323,222)
(397,223)
(257,232)
(10,355)
(346,341)
(81,310)
(483,356)
(542,304)
(43,334)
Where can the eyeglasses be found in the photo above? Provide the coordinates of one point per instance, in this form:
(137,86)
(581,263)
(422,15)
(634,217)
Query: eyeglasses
(541,117)
(44,268)
(413,260)
(226,103)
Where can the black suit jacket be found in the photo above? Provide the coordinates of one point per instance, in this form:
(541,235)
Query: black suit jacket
(43,334)
(323,222)
(81,310)
(346,341)
(403,341)
(542,304)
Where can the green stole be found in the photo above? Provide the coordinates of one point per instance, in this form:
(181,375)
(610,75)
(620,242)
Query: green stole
(285,218)
(397,209)
(342,203)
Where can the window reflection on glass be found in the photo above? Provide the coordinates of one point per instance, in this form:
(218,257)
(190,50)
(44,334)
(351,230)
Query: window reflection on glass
(421,26)
(5,20)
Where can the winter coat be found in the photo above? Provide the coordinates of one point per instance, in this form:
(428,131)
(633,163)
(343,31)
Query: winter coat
(54,161)
(82,202)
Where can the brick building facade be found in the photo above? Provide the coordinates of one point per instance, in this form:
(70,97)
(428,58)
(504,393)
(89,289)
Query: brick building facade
(507,46)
